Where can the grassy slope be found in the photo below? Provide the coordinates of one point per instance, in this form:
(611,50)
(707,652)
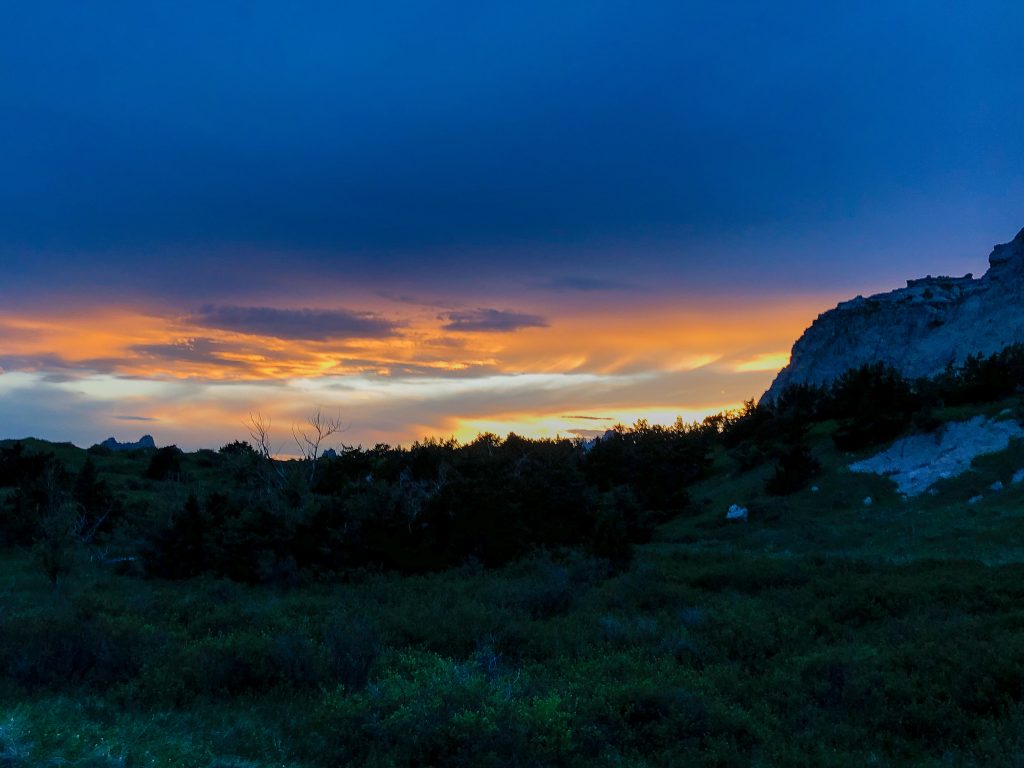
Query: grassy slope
(822,632)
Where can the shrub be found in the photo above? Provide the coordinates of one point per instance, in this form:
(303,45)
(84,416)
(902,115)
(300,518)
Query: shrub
(428,711)
(165,464)
(874,404)
(352,646)
(68,648)
(795,469)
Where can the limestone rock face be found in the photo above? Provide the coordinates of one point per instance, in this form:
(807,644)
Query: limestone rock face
(146,441)
(920,329)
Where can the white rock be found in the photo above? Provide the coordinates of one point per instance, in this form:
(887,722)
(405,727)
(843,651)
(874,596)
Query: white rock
(1018,476)
(916,462)
(736,512)
(814,489)
(975,499)
(868,501)
(996,486)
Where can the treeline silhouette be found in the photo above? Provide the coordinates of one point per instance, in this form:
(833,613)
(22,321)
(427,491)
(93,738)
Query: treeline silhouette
(438,503)
(423,508)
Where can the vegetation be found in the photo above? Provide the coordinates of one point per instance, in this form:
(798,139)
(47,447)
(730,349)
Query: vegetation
(518,602)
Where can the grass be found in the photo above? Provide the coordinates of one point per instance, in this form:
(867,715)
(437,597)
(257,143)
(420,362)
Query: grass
(822,632)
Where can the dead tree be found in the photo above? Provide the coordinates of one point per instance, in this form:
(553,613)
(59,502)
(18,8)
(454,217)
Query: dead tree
(259,430)
(310,438)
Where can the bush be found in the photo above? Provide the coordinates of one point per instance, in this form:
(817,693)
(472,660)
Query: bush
(352,646)
(795,469)
(874,404)
(985,379)
(165,464)
(66,649)
(428,711)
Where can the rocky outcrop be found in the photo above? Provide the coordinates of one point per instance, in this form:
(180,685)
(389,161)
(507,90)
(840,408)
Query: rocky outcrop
(920,329)
(917,462)
(146,441)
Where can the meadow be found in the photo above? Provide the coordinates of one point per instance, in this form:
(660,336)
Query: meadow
(651,631)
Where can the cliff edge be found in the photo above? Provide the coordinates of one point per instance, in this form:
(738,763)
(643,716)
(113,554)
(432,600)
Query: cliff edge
(920,329)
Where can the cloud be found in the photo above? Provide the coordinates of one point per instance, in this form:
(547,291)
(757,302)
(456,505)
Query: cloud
(295,324)
(425,368)
(59,369)
(586,434)
(587,284)
(591,418)
(197,350)
(495,320)
(135,418)
(404,298)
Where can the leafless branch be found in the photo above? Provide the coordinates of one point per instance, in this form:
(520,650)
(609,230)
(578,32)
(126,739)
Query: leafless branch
(310,438)
(259,430)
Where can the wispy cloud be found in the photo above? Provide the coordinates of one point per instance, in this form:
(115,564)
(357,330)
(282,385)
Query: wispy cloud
(135,418)
(58,369)
(295,324)
(586,284)
(491,320)
(417,301)
(198,350)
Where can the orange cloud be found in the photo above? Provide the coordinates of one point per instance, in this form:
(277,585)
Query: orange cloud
(409,376)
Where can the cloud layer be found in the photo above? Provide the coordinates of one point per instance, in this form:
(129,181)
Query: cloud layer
(490,321)
(84,375)
(297,324)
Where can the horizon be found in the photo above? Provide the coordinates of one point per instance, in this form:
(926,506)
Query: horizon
(437,223)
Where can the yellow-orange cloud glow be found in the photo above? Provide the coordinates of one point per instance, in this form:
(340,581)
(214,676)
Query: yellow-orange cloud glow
(585,370)
(768,361)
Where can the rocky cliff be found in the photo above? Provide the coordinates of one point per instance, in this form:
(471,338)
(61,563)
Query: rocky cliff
(918,330)
(145,442)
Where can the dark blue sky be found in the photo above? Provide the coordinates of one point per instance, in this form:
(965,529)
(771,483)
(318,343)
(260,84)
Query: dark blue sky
(431,137)
(443,218)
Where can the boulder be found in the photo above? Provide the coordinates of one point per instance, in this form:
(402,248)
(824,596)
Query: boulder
(736,512)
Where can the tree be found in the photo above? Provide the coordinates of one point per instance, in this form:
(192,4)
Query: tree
(310,438)
(259,430)
(165,464)
(59,528)
(96,504)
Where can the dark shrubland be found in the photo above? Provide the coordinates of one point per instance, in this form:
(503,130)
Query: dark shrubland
(523,602)
(435,505)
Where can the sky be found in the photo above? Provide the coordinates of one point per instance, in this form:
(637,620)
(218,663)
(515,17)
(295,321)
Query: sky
(438,219)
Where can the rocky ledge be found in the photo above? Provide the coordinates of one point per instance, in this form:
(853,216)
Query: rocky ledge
(920,329)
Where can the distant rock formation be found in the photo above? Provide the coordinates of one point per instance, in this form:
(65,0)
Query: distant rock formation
(146,441)
(920,329)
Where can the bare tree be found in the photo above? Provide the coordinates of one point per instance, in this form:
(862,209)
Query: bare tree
(310,438)
(259,430)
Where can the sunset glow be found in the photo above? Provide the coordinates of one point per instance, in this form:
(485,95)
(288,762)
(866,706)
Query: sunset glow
(441,222)
(579,373)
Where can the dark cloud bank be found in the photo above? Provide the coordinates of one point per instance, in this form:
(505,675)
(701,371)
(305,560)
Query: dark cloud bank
(295,324)
(484,320)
